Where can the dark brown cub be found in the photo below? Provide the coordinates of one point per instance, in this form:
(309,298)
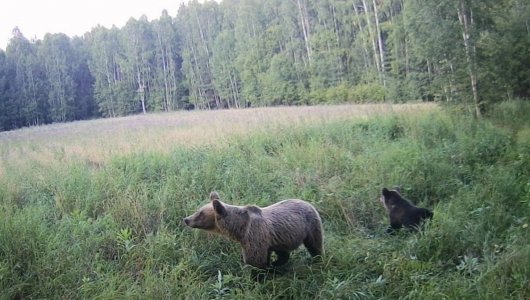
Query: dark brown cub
(401,212)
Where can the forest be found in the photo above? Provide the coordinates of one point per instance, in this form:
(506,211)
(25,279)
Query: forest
(241,53)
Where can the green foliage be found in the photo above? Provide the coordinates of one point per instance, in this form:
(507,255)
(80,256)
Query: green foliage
(69,231)
(510,114)
(234,54)
(57,52)
(362,93)
(371,92)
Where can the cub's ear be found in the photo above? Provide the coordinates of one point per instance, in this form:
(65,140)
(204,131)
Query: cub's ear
(218,207)
(397,189)
(386,192)
(214,196)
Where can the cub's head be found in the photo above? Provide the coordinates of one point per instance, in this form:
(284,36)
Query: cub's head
(391,198)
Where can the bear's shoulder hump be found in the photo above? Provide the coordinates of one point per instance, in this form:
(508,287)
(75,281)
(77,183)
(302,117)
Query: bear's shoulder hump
(253,209)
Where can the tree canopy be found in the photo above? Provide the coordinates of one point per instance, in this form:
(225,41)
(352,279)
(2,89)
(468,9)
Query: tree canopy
(239,53)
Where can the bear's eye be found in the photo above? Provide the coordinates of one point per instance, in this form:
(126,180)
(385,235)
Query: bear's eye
(200,214)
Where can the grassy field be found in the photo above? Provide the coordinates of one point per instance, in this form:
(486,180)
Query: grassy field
(97,141)
(92,210)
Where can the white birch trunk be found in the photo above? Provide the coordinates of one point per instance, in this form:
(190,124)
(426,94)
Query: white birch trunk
(466,21)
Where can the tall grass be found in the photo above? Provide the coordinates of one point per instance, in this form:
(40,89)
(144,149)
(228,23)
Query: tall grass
(73,230)
(96,142)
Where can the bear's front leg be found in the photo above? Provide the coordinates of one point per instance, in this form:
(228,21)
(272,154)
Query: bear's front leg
(256,257)
(259,259)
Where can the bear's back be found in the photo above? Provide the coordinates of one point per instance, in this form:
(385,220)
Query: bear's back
(290,209)
(290,221)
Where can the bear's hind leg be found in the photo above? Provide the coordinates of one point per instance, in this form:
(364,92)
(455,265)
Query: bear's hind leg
(283,257)
(313,243)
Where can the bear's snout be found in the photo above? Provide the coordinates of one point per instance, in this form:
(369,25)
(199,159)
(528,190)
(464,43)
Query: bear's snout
(186,221)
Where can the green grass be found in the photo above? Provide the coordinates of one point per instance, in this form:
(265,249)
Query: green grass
(70,230)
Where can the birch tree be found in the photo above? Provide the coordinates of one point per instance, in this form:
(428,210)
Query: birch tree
(58,57)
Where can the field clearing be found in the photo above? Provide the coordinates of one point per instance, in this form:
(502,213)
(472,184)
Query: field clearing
(95,141)
(111,228)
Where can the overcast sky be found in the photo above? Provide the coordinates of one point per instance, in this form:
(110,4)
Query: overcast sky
(35,18)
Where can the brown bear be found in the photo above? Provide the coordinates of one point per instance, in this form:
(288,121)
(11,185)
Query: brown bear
(280,227)
(402,212)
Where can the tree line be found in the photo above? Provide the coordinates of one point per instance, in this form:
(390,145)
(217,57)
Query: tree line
(240,53)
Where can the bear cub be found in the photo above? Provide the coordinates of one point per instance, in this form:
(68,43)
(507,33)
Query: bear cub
(281,227)
(401,212)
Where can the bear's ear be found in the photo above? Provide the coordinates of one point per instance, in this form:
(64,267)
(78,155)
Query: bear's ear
(214,196)
(218,207)
(253,209)
(386,192)
(397,189)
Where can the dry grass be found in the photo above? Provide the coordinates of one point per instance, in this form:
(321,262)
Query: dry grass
(96,141)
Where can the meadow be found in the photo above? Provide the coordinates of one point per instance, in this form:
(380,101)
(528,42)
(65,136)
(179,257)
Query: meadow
(93,209)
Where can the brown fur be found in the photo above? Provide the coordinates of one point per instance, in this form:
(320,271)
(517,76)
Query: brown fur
(401,212)
(281,227)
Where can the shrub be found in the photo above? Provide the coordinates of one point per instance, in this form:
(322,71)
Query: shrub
(368,92)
